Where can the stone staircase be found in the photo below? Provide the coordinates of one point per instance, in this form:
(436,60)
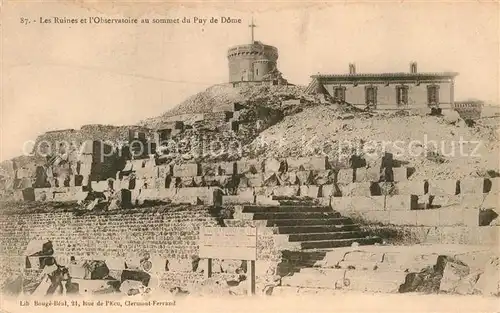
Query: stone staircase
(358,272)
(304,224)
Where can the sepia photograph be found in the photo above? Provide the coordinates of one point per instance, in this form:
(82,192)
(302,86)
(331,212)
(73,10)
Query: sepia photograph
(228,156)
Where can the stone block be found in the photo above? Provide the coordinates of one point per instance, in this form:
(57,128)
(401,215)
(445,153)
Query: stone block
(180,265)
(254,180)
(360,203)
(382,217)
(471,217)
(405,217)
(238,199)
(345,176)
(286,191)
(263,191)
(146,169)
(247,192)
(187,169)
(472,201)
(453,201)
(492,185)
(328,190)
(342,190)
(270,180)
(472,185)
(304,177)
(400,174)
(307,164)
(410,187)
(323,177)
(263,200)
(453,273)
(249,166)
(185,198)
(43,194)
(358,189)
(384,188)
(489,282)
(491,201)
(309,191)
(209,169)
(364,174)
(488,235)
(272,165)
(450,216)
(188,193)
(427,217)
(288,178)
(99,186)
(341,204)
(443,187)
(400,202)
(29,194)
(228,168)
(181,182)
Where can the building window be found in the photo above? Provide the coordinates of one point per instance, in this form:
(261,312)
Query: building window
(371,95)
(339,94)
(256,71)
(433,95)
(402,95)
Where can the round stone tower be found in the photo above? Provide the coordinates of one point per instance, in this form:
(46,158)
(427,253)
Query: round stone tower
(252,62)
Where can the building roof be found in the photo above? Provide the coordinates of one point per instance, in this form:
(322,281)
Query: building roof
(386,76)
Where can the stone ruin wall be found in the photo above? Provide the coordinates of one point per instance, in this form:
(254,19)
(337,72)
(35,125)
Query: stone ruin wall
(170,237)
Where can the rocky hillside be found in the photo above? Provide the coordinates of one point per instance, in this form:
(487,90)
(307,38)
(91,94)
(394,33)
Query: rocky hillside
(339,135)
(221,97)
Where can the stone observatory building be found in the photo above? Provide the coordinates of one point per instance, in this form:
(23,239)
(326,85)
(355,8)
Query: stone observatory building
(254,62)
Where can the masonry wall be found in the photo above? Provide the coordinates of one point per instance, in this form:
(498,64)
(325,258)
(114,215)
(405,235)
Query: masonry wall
(169,236)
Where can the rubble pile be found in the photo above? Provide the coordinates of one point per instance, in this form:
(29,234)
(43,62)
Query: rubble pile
(324,130)
(221,97)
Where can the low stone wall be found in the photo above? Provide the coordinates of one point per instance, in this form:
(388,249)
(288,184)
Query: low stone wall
(169,234)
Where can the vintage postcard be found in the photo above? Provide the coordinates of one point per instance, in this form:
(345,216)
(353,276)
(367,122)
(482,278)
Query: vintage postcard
(229,156)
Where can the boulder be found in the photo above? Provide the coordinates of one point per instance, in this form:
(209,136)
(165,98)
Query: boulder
(489,282)
(451,116)
(454,272)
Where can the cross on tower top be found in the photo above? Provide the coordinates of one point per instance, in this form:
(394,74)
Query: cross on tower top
(252,26)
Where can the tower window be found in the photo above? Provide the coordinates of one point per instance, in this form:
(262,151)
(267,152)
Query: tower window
(257,71)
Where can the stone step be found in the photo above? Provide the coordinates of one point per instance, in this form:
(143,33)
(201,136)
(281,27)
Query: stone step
(317,228)
(284,208)
(336,243)
(295,215)
(292,198)
(297,202)
(326,236)
(358,280)
(300,222)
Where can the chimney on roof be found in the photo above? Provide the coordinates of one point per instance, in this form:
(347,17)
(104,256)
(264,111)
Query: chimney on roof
(352,68)
(413,67)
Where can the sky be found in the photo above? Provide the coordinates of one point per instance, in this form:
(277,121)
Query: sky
(58,76)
